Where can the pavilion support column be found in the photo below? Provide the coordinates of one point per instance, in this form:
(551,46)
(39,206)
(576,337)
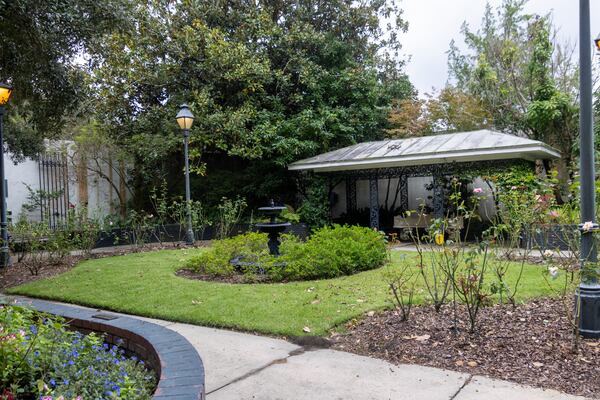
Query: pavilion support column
(403,188)
(438,195)
(373,202)
(350,194)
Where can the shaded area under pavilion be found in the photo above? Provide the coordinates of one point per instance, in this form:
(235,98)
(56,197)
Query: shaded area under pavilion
(440,156)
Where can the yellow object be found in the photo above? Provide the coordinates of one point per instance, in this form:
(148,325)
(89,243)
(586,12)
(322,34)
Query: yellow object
(184,117)
(439,239)
(5,92)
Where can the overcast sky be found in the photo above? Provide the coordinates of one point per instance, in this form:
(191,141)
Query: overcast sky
(434,23)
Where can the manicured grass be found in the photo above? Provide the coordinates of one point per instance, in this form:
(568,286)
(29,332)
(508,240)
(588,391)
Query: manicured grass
(145,284)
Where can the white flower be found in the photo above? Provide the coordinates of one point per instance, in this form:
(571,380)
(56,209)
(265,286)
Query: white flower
(547,253)
(587,226)
(553,271)
(513,188)
(478,190)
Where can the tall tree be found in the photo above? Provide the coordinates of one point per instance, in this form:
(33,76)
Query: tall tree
(267,80)
(450,110)
(523,77)
(39,42)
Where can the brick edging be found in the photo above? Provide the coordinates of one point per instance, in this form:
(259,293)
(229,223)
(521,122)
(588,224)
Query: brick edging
(173,358)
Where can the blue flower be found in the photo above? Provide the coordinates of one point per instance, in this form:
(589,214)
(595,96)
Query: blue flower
(65,381)
(52,382)
(71,362)
(33,329)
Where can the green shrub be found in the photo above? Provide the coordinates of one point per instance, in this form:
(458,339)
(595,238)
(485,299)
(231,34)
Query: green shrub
(329,252)
(251,247)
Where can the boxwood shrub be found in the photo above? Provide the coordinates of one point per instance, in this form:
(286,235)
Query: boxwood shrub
(329,252)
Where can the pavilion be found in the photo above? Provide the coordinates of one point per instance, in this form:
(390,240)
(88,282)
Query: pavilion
(437,156)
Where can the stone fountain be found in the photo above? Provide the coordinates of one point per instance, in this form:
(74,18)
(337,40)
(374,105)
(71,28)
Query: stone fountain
(273,228)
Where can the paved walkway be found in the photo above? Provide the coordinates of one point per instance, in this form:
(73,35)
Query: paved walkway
(242,366)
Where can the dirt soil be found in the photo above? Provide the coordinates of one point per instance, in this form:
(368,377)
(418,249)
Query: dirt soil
(531,344)
(18,273)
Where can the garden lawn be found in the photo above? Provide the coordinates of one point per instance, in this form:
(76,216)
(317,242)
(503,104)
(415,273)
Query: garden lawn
(145,284)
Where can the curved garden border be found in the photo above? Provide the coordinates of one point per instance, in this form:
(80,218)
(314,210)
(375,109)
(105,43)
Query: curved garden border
(167,352)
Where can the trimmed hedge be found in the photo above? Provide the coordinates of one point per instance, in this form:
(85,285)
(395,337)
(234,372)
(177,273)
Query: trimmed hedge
(329,252)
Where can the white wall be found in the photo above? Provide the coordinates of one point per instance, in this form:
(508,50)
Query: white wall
(28,173)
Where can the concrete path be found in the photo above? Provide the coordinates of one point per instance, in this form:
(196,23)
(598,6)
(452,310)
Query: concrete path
(242,366)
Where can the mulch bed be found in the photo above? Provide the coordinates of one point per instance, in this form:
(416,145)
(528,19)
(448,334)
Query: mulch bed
(531,344)
(18,273)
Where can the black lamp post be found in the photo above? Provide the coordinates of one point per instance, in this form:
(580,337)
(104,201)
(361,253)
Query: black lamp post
(588,294)
(185,118)
(5,92)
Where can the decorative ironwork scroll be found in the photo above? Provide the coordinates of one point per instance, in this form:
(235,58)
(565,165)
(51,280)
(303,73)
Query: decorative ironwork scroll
(350,194)
(403,188)
(439,196)
(373,202)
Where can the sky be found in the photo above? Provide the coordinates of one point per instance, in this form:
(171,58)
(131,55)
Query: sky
(434,23)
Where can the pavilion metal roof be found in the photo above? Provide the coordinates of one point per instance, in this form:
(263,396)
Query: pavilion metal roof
(482,145)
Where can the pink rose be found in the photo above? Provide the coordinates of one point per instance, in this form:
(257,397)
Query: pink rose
(478,190)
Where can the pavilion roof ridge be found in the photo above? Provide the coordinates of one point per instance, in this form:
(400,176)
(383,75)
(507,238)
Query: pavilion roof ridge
(433,149)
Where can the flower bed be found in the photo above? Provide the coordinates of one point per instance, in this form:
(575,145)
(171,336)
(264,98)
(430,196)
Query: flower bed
(41,359)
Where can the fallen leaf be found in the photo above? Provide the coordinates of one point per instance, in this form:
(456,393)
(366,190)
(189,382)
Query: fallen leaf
(196,302)
(459,363)
(422,338)
(371,313)
(537,364)
(472,363)
(310,289)
(306,329)
(315,301)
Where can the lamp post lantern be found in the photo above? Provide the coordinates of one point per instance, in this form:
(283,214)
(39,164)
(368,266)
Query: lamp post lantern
(185,118)
(588,293)
(5,92)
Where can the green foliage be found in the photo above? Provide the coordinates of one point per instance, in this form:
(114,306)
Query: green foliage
(272,81)
(250,247)
(314,208)
(39,357)
(230,212)
(289,215)
(526,79)
(39,39)
(332,251)
(329,252)
(36,244)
